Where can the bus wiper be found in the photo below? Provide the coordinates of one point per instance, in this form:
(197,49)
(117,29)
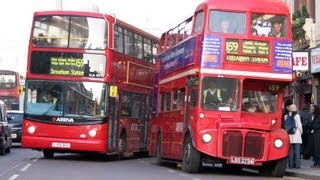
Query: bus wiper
(48,110)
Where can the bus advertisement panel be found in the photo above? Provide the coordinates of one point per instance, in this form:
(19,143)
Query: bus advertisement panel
(221,76)
(88,85)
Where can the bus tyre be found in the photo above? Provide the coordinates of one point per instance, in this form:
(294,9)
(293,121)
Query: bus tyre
(191,157)
(159,151)
(122,146)
(8,150)
(2,151)
(48,154)
(276,169)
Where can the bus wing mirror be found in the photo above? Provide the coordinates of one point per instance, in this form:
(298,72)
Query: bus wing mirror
(113,91)
(20,90)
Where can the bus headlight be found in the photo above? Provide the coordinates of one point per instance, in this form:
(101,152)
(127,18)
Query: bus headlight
(206,137)
(92,132)
(278,143)
(31,129)
(273,122)
(201,115)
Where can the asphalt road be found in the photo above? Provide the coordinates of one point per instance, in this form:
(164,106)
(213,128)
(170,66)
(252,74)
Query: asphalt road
(26,164)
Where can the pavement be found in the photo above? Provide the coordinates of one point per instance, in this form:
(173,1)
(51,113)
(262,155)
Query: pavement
(305,171)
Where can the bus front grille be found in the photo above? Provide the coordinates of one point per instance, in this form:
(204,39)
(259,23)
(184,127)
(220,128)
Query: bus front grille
(254,145)
(240,144)
(232,143)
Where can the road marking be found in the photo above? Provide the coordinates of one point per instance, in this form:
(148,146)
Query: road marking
(172,171)
(295,178)
(13,177)
(34,160)
(181,174)
(25,167)
(195,178)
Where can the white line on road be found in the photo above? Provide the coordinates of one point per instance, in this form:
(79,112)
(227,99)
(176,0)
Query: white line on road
(13,177)
(172,171)
(295,178)
(34,160)
(25,167)
(195,178)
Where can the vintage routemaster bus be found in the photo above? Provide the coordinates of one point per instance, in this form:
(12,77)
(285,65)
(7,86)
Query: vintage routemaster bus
(89,84)
(11,89)
(221,75)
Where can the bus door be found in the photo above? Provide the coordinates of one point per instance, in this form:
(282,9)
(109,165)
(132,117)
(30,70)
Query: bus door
(144,122)
(178,108)
(192,98)
(113,122)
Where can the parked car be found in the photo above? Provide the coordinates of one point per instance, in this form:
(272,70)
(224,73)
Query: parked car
(5,131)
(15,118)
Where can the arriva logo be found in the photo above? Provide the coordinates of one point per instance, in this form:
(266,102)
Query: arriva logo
(67,120)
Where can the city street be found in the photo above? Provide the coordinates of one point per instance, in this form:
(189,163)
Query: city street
(25,164)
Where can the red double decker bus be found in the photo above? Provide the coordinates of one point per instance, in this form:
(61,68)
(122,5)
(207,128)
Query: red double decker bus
(89,84)
(221,75)
(11,89)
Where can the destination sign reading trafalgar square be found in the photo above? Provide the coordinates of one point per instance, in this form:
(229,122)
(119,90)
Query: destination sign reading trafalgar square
(67,66)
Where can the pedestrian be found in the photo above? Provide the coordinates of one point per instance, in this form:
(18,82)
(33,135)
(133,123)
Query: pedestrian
(315,130)
(304,114)
(307,136)
(285,110)
(295,139)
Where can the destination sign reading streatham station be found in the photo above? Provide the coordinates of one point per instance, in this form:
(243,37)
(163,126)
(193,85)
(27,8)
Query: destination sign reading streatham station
(255,48)
(67,66)
(247,51)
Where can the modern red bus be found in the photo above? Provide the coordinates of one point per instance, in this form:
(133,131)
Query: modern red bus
(11,84)
(89,84)
(221,75)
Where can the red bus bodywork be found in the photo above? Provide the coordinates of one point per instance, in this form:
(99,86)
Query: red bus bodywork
(229,134)
(108,131)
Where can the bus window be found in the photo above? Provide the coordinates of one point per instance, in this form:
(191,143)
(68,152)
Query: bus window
(227,22)
(199,22)
(128,42)
(178,99)
(220,94)
(268,25)
(73,32)
(165,102)
(118,38)
(259,101)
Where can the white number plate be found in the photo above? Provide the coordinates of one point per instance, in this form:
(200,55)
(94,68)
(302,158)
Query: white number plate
(241,160)
(13,136)
(61,145)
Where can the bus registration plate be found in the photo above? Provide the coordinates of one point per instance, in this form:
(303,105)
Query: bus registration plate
(61,145)
(242,160)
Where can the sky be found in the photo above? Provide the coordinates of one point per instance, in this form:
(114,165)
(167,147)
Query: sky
(153,16)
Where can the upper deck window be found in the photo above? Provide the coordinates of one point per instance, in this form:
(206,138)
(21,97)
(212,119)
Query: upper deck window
(227,22)
(199,22)
(70,32)
(268,25)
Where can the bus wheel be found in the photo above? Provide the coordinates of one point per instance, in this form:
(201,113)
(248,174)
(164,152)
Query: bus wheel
(276,169)
(159,151)
(122,145)
(191,157)
(48,154)
(2,151)
(8,150)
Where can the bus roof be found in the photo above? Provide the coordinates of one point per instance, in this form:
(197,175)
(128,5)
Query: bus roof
(269,6)
(96,15)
